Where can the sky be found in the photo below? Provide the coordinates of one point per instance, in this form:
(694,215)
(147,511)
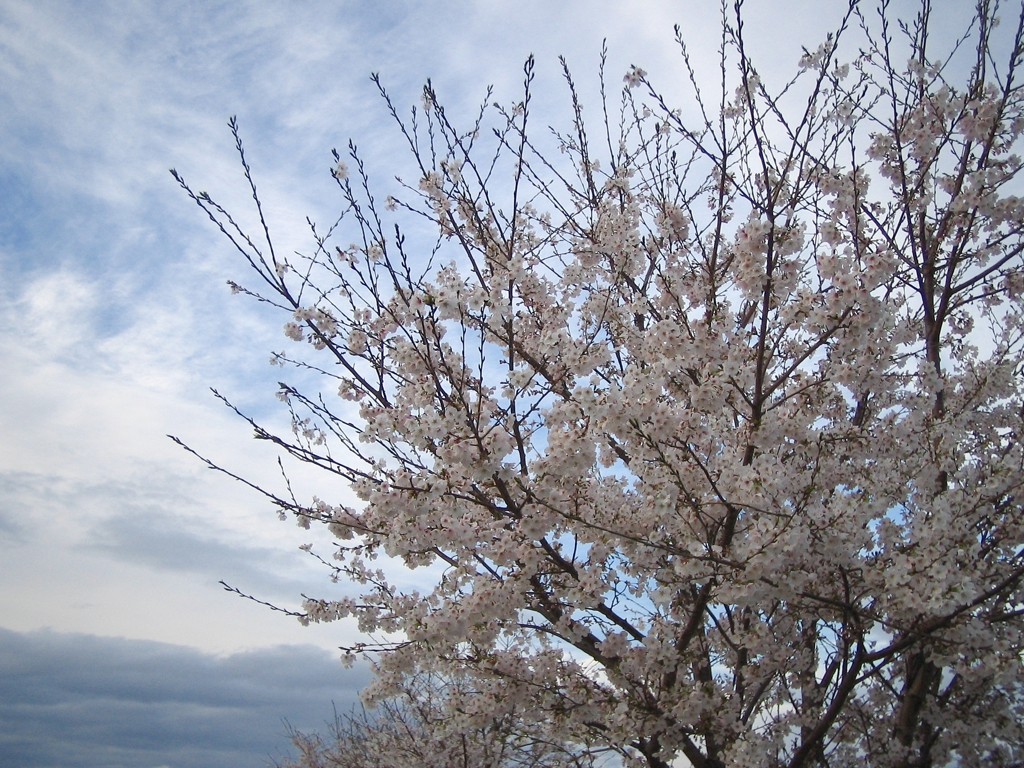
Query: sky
(118,646)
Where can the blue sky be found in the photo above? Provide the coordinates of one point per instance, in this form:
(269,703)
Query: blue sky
(115,320)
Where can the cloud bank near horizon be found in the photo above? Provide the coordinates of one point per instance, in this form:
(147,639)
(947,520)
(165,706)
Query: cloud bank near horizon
(80,701)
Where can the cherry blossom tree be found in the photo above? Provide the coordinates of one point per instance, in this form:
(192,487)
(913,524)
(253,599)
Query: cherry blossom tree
(702,436)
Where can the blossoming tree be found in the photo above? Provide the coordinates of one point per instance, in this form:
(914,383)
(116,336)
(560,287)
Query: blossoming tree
(706,435)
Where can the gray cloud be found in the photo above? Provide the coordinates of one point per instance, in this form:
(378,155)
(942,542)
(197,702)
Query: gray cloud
(156,538)
(82,701)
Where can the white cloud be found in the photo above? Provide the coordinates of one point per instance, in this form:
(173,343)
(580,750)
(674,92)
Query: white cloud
(92,489)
